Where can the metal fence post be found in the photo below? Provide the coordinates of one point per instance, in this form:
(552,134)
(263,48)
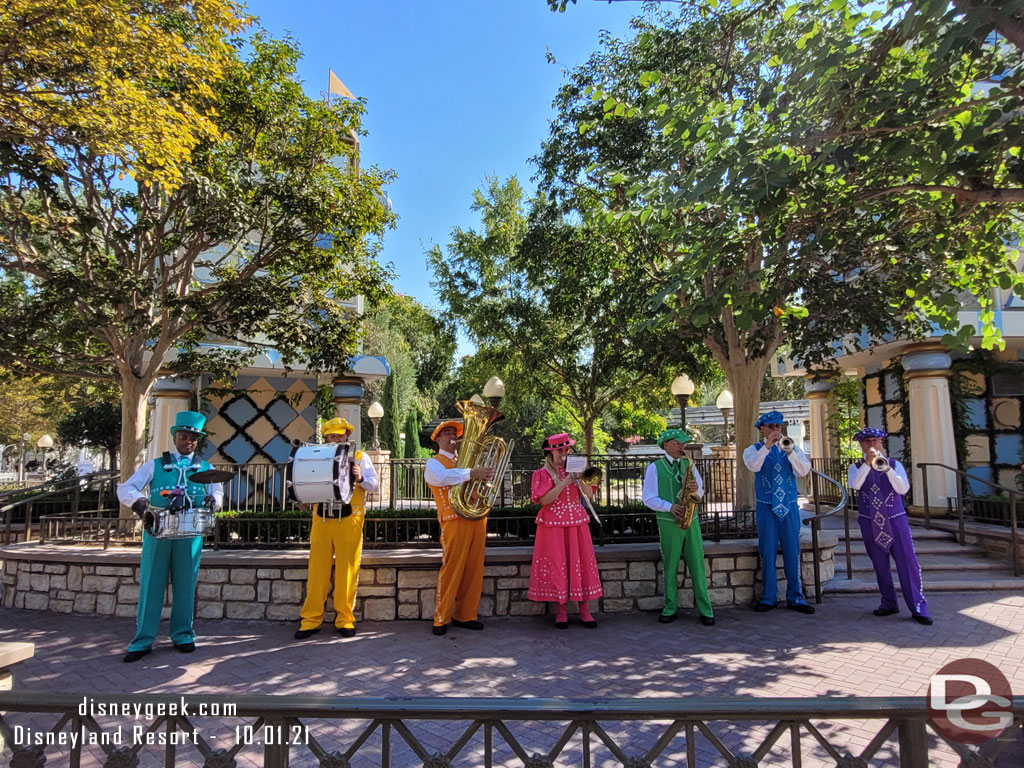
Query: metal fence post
(1014,544)
(392,484)
(28,522)
(924,492)
(913,743)
(814,537)
(275,744)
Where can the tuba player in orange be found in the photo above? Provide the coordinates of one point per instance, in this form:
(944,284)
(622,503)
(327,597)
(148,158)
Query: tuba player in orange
(462,541)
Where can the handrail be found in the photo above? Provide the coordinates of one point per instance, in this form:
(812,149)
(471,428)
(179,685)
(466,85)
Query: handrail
(815,523)
(54,487)
(960,474)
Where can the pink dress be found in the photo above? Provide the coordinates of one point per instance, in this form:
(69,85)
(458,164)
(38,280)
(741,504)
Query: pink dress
(564,567)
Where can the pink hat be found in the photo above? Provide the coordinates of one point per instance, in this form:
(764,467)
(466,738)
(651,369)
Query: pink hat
(554,442)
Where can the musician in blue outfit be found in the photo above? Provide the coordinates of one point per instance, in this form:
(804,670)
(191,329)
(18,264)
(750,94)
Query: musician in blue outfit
(179,557)
(778,515)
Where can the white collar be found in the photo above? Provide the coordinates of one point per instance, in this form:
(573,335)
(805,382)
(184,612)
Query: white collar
(445,453)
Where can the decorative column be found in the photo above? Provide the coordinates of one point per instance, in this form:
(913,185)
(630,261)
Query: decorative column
(171,396)
(926,374)
(817,396)
(348,397)
(347,394)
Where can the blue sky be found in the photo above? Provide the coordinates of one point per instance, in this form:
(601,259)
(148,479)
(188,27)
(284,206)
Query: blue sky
(457,90)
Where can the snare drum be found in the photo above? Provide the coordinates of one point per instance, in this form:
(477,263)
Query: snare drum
(182,524)
(321,473)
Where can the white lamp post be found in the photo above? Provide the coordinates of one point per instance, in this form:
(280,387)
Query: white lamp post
(724,404)
(44,443)
(682,388)
(376,413)
(21,470)
(494,391)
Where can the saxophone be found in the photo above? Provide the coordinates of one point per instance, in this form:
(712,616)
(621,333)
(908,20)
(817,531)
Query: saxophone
(687,498)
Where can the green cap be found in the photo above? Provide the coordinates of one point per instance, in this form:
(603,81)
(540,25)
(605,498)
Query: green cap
(679,435)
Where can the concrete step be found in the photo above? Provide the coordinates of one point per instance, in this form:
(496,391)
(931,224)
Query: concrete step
(922,548)
(932,564)
(967,582)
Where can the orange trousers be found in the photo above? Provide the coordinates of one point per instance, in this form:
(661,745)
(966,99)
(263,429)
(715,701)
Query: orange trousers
(462,570)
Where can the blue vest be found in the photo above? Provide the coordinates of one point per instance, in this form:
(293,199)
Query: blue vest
(170,475)
(775,483)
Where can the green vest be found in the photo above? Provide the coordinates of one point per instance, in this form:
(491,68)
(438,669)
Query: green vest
(167,475)
(670,481)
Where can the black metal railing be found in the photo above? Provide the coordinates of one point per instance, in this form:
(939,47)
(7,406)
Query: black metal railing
(819,496)
(958,507)
(22,508)
(282,731)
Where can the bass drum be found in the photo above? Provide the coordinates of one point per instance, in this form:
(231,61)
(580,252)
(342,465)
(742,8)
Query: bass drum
(321,473)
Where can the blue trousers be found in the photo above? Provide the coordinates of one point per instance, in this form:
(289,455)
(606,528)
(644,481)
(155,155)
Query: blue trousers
(180,558)
(773,533)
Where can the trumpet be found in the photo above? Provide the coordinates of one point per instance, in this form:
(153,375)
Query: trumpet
(879,463)
(787,444)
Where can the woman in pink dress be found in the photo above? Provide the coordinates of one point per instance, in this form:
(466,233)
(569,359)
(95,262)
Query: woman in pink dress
(564,567)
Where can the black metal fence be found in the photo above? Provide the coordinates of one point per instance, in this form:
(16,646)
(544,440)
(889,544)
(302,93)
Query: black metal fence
(290,731)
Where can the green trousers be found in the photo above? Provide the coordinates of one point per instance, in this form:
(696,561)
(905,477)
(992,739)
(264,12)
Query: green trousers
(160,557)
(688,545)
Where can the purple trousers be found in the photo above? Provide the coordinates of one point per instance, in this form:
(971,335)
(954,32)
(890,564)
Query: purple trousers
(902,551)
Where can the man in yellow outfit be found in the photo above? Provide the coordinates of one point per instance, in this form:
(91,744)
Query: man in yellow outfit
(462,541)
(337,536)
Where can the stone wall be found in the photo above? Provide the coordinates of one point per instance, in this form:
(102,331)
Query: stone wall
(393,584)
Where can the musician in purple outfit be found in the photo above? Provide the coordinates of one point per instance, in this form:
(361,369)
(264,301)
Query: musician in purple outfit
(880,483)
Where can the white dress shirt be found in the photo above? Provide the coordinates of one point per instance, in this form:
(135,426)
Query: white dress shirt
(650,495)
(133,489)
(754,457)
(439,476)
(897,476)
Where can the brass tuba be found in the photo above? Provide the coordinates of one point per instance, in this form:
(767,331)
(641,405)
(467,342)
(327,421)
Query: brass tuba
(474,498)
(687,498)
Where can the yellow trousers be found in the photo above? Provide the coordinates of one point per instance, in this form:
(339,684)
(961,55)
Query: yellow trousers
(462,570)
(339,542)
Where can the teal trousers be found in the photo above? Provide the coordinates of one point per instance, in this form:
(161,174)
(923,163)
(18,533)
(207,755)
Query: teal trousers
(687,545)
(160,557)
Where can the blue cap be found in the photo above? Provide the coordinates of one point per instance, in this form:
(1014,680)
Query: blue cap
(772,417)
(868,433)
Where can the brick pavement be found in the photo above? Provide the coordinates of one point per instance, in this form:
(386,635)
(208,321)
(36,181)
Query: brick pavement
(843,650)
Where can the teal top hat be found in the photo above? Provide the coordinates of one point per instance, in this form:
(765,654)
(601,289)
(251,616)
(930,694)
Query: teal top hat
(193,421)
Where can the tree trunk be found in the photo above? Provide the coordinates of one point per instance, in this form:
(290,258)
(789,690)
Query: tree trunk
(112,453)
(134,402)
(588,436)
(745,380)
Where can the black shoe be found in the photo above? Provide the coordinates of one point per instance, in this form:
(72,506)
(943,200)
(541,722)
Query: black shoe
(707,621)
(471,624)
(185,647)
(442,630)
(302,634)
(764,607)
(801,607)
(347,631)
(886,611)
(589,623)
(666,618)
(921,619)
(561,625)
(135,655)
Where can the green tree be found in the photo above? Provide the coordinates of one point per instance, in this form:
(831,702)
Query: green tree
(412,435)
(135,80)
(531,285)
(118,279)
(390,423)
(93,426)
(684,136)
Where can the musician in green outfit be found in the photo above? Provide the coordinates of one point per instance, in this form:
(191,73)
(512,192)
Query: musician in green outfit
(663,482)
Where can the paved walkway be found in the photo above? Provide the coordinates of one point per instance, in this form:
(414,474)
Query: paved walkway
(843,650)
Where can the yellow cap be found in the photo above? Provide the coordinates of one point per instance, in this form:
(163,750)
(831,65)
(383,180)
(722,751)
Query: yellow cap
(338,426)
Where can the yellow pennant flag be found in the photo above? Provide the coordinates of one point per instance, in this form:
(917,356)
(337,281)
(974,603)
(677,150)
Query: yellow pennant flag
(338,87)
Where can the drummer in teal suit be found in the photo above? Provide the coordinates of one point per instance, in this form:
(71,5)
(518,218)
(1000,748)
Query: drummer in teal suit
(180,557)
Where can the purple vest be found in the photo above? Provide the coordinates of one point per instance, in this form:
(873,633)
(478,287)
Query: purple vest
(878,502)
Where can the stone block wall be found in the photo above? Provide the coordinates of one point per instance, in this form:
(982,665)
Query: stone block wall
(393,585)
